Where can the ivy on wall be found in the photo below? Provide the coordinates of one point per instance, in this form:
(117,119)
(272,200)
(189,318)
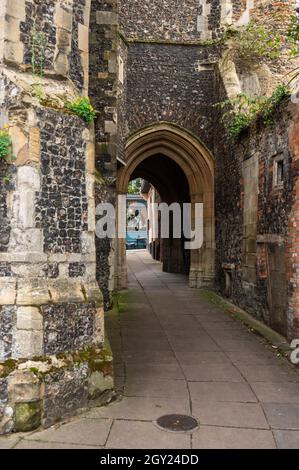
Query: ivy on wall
(242,111)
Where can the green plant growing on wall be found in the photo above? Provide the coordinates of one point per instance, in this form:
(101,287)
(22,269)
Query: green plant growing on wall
(6,153)
(280,93)
(239,113)
(5,145)
(37,91)
(83,108)
(38,51)
(254,42)
(243,110)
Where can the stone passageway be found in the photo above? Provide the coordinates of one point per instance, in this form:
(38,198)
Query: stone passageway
(175,352)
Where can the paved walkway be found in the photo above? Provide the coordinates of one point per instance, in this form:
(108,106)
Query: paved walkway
(177,353)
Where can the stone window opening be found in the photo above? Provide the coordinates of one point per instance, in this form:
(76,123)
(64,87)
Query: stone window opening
(278,172)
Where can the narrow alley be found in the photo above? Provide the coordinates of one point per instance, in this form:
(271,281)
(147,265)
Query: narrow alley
(177,353)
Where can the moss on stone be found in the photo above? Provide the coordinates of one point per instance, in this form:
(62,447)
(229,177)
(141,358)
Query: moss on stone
(123,300)
(28,416)
(41,359)
(7,367)
(96,359)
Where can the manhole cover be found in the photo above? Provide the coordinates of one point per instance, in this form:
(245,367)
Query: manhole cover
(177,423)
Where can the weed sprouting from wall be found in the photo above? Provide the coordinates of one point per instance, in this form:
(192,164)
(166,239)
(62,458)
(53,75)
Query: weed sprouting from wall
(242,111)
(38,51)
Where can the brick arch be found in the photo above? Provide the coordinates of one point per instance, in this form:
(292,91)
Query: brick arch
(198,165)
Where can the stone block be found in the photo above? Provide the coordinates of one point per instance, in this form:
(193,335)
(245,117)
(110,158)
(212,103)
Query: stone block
(27,270)
(16,9)
(23,386)
(26,216)
(33,291)
(34,145)
(29,318)
(64,291)
(83,38)
(13,52)
(61,64)
(27,344)
(88,244)
(113,64)
(251,245)
(28,416)
(110,127)
(90,157)
(64,39)
(28,176)
(8,291)
(84,58)
(12,29)
(30,240)
(23,156)
(93,293)
(63,18)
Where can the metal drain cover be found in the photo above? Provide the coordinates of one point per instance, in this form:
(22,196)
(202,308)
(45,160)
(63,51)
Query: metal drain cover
(177,423)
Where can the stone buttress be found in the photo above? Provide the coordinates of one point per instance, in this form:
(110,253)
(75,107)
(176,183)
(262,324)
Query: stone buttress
(52,353)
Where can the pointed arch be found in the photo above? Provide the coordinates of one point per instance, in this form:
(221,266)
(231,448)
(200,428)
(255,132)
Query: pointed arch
(198,165)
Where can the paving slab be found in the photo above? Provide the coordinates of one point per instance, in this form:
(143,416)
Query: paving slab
(148,344)
(248,346)
(213,317)
(213,373)
(149,357)
(269,373)
(154,371)
(264,357)
(194,345)
(211,437)
(276,392)
(157,388)
(282,416)
(187,323)
(8,442)
(141,408)
(81,432)
(202,357)
(287,439)
(143,435)
(221,392)
(243,415)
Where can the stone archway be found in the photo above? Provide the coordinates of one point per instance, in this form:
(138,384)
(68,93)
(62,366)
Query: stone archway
(198,166)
